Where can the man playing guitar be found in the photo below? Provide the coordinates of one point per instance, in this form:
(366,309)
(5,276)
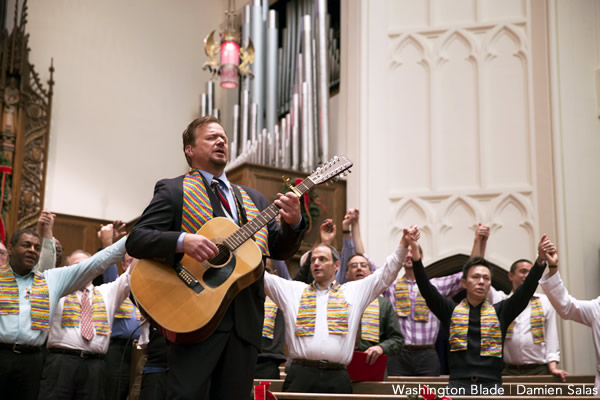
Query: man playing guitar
(221,365)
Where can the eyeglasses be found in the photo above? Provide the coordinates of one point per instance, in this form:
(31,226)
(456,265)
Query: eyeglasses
(356,265)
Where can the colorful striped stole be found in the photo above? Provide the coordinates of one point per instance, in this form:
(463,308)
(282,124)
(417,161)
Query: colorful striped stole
(9,291)
(536,319)
(124,311)
(403,302)
(262,236)
(337,311)
(269,321)
(39,298)
(197,210)
(491,335)
(370,322)
(71,316)
(40,303)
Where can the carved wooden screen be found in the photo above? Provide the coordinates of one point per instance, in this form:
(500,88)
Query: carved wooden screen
(24,130)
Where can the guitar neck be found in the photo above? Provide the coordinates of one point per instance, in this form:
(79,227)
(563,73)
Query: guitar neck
(251,227)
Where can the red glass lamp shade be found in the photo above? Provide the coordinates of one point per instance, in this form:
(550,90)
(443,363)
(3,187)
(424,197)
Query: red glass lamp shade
(230,60)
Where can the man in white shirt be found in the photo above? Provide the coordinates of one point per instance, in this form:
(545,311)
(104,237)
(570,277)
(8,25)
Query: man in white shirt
(586,312)
(531,346)
(322,319)
(28,300)
(80,336)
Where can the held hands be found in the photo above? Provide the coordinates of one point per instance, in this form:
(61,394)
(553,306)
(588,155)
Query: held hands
(373,353)
(45,224)
(547,251)
(105,234)
(409,239)
(482,233)
(289,208)
(351,218)
(119,230)
(327,231)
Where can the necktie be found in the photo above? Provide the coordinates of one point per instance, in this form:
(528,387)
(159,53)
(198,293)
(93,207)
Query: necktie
(87,329)
(216,188)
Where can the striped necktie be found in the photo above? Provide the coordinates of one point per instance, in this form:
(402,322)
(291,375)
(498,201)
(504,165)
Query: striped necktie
(217,189)
(87,329)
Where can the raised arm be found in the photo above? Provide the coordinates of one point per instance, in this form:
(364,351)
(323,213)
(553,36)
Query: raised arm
(568,307)
(352,242)
(514,305)
(327,232)
(112,273)
(438,304)
(45,228)
(70,279)
(482,233)
(347,252)
(355,230)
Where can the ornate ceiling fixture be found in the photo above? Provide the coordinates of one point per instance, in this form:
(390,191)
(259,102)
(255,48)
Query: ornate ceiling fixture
(234,59)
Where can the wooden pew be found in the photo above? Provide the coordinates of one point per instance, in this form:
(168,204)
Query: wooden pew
(506,378)
(323,396)
(510,388)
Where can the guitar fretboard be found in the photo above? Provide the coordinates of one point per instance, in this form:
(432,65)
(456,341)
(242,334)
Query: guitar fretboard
(249,229)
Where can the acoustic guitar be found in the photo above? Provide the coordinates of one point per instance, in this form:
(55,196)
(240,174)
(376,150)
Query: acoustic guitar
(193,296)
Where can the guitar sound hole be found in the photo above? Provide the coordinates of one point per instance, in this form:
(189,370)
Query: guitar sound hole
(222,257)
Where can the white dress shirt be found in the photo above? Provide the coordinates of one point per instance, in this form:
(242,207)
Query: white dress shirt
(520,348)
(358,294)
(16,328)
(586,312)
(113,293)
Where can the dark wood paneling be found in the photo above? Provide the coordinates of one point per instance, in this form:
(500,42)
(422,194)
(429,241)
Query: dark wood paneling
(268,181)
(77,233)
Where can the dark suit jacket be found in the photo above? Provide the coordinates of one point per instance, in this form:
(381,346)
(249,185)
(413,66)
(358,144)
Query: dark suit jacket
(155,236)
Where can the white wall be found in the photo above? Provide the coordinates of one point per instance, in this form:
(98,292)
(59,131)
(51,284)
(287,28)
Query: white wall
(575,44)
(447,129)
(128,80)
(477,111)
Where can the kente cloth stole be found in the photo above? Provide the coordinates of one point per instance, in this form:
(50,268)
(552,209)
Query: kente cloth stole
(197,209)
(536,319)
(124,312)
(269,322)
(403,302)
(491,335)
(337,311)
(370,322)
(39,298)
(71,316)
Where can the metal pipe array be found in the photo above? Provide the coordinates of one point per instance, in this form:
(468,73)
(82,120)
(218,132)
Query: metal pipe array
(282,116)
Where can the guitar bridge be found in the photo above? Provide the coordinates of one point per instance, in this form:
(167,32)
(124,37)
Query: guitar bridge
(187,278)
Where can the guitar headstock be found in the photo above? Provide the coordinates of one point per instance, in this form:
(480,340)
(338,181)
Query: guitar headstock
(337,167)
